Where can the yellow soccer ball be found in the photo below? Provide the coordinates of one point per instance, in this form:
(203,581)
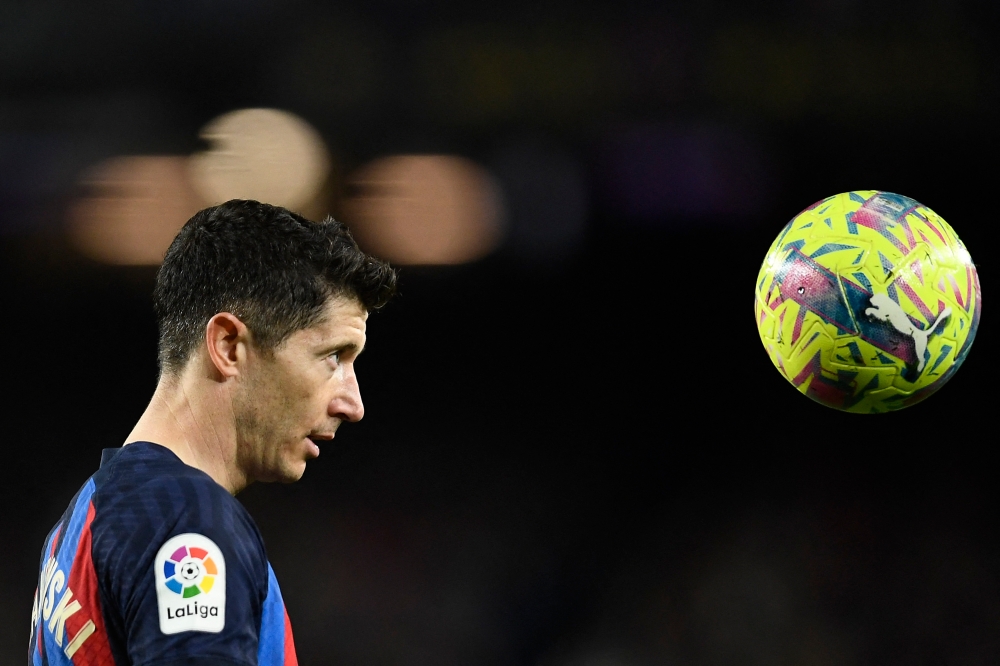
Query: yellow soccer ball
(867,301)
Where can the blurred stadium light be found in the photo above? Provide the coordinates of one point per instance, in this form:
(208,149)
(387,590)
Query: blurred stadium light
(261,154)
(133,209)
(45,144)
(654,172)
(425,209)
(546,198)
(133,206)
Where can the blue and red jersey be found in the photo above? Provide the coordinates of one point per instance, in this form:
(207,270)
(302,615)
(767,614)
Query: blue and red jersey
(154,563)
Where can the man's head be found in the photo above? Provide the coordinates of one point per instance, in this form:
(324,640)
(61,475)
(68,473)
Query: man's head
(271,268)
(277,305)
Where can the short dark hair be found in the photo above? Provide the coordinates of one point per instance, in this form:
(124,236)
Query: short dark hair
(273,269)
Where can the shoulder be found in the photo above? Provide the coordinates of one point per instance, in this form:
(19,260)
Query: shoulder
(181,564)
(146,496)
(146,485)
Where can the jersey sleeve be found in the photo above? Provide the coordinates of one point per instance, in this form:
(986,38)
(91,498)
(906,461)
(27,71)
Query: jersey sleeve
(191,578)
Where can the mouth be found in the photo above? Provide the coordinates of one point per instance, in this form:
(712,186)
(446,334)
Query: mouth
(314,441)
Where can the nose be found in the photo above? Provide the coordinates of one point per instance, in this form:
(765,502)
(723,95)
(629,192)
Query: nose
(347,404)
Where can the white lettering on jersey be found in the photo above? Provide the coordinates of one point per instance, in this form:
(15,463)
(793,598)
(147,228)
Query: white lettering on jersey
(55,613)
(66,607)
(190,574)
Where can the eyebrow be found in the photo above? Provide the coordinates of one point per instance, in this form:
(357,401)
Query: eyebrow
(347,346)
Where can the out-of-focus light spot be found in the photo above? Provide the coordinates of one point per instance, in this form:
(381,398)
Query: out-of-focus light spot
(134,208)
(546,199)
(662,174)
(261,154)
(425,209)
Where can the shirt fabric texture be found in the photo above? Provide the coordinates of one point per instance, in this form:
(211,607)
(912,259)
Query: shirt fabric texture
(96,601)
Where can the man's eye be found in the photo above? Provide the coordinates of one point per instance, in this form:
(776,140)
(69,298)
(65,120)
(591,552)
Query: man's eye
(335,357)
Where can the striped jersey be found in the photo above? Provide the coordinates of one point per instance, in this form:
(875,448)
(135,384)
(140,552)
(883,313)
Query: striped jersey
(154,563)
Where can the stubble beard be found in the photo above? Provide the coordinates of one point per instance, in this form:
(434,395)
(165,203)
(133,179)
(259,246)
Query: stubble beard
(251,435)
(258,446)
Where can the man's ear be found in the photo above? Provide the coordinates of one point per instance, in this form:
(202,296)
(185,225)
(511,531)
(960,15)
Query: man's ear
(227,338)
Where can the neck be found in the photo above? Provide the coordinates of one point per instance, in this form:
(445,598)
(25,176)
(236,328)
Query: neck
(191,415)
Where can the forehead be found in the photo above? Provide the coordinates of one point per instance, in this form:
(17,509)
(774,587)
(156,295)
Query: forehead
(344,320)
(344,307)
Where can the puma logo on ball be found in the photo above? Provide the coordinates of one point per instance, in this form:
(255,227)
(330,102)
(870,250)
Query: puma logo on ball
(886,309)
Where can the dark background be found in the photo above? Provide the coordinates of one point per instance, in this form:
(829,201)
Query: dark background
(575,456)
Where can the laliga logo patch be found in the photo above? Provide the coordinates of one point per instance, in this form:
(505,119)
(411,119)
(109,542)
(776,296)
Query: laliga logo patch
(190,585)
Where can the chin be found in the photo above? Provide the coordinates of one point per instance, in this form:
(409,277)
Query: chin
(292,473)
(284,471)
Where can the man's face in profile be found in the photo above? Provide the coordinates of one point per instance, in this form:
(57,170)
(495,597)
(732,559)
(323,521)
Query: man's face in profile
(297,396)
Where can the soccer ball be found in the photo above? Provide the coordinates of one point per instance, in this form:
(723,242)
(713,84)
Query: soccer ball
(867,302)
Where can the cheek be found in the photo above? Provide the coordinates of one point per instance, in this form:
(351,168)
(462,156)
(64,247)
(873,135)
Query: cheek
(293,388)
(304,399)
